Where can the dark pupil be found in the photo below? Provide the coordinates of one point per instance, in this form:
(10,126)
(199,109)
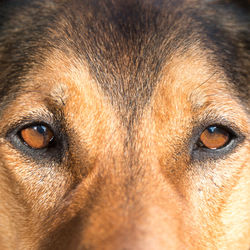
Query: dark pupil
(40,129)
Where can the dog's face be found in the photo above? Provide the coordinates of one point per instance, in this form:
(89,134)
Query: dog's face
(124,125)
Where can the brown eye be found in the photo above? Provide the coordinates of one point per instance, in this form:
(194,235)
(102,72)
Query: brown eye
(37,137)
(215,137)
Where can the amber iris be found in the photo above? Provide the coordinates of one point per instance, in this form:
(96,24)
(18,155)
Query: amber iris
(214,137)
(37,137)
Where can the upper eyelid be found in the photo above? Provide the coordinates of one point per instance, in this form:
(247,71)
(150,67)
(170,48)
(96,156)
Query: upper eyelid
(29,119)
(48,118)
(231,129)
(45,109)
(201,125)
(210,119)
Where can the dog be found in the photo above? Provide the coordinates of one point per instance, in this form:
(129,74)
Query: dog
(124,124)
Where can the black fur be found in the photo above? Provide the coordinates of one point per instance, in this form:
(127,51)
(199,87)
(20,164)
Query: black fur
(125,43)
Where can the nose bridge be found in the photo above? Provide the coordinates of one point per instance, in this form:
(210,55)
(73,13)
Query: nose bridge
(128,210)
(129,203)
(113,216)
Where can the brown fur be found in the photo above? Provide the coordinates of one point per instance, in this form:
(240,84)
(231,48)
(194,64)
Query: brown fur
(128,86)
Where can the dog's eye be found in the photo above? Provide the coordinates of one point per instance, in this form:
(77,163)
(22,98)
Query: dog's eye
(215,137)
(37,136)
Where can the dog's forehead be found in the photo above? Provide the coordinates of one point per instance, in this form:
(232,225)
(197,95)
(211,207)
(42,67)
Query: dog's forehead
(126,45)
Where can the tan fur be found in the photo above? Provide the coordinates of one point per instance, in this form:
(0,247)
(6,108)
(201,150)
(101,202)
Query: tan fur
(172,205)
(129,102)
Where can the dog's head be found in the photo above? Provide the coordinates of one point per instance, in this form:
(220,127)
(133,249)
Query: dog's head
(124,124)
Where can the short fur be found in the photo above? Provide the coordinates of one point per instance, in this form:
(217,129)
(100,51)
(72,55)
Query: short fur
(127,87)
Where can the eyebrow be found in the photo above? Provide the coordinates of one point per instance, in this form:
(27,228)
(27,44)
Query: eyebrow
(54,101)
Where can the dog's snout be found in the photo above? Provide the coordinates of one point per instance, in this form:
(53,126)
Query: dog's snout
(125,214)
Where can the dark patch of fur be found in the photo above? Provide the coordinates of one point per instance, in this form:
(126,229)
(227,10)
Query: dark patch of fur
(227,32)
(23,35)
(125,43)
